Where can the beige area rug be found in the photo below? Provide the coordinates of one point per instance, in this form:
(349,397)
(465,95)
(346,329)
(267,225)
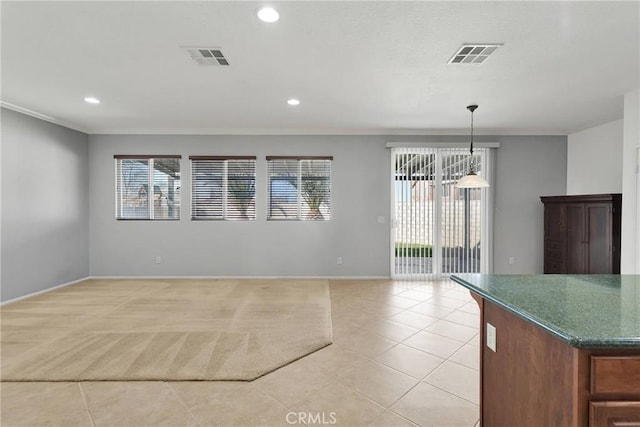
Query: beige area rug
(164,330)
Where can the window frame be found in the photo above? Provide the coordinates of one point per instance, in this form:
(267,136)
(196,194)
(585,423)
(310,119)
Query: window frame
(150,185)
(299,179)
(225,193)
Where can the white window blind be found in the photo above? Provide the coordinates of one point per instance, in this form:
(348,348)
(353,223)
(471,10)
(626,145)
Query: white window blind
(223,187)
(461,212)
(439,229)
(299,188)
(147,187)
(415,211)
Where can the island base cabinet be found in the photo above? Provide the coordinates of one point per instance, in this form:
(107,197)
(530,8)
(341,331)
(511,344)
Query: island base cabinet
(614,414)
(534,378)
(527,381)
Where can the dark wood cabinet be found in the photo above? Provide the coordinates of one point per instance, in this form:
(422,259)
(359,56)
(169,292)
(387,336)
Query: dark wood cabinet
(582,234)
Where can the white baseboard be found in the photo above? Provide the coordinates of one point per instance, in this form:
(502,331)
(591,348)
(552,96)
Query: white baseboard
(44,291)
(242,277)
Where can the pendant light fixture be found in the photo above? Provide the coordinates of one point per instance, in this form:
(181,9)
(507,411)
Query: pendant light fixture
(471,179)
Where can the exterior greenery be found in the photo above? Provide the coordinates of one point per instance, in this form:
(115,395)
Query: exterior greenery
(315,192)
(413,250)
(242,192)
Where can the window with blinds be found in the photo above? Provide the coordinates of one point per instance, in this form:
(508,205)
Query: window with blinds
(223,188)
(147,187)
(299,188)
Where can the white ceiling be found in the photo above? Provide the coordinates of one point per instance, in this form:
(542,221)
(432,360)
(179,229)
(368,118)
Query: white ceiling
(358,67)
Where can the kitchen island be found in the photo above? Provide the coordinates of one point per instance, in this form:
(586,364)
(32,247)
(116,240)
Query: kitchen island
(558,350)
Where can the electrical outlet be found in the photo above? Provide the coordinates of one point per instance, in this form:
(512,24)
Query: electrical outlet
(512,260)
(158,260)
(339,260)
(491,336)
(381,220)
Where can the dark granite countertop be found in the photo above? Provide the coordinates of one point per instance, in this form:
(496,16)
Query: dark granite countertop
(585,311)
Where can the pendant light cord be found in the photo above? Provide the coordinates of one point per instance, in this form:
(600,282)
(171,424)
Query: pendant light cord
(471,108)
(471,179)
(471,148)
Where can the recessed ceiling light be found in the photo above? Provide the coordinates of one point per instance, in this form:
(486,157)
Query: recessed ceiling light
(268,14)
(92,100)
(293,101)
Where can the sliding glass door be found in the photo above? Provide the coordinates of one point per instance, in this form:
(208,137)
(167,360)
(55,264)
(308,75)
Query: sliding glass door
(437,229)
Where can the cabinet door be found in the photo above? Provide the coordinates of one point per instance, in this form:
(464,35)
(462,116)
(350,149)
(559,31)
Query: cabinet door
(554,257)
(576,239)
(598,238)
(555,222)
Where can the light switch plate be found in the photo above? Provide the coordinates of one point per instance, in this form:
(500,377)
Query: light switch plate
(491,336)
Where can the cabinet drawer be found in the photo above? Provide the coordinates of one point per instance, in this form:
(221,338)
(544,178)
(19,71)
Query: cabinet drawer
(615,375)
(614,414)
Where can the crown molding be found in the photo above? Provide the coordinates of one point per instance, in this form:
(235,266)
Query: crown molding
(41,116)
(327,132)
(283,132)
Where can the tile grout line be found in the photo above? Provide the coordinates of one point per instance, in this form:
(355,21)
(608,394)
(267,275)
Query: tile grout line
(447,359)
(453,394)
(395,414)
(445,336)
(184,404)
(340,383)
(431,385)
(420,380)
(262,390)
(86,403)
(433,354)
(333,381)
(465,342)
(408,391)
(460,364)
(360,394)
(288,407)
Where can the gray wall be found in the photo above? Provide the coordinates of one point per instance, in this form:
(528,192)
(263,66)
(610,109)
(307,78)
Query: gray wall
(360,193)
(630,245)
(527,167)
(45,205)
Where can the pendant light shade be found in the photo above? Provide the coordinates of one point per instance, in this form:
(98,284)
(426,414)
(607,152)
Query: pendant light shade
(472,179)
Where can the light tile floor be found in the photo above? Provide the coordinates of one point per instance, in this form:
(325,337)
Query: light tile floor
(404,354)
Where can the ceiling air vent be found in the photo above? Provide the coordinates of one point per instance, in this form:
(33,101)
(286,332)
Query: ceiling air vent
(473,53)
(207,55)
